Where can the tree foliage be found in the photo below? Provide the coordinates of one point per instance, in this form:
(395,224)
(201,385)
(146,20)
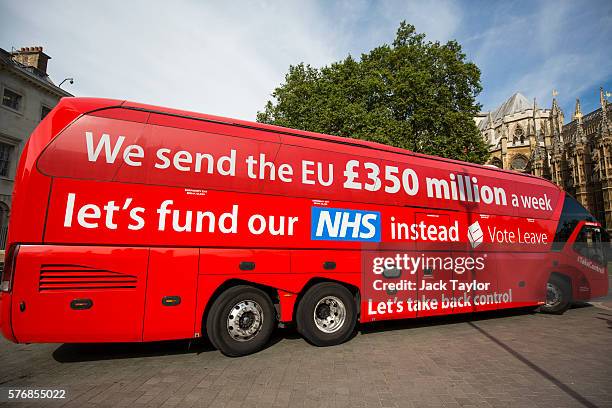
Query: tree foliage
(414,94)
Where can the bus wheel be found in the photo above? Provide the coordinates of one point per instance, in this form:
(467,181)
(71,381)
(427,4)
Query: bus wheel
(558,296)
(327,314)
(241,321)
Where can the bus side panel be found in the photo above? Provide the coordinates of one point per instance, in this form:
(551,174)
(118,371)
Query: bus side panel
(171,294)
(489,278)
(79,294)
(239,261)
(523,275)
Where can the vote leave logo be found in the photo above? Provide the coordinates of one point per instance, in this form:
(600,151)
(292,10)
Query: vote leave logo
(475,234)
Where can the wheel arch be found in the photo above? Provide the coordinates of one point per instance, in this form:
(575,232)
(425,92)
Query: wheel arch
(566,278)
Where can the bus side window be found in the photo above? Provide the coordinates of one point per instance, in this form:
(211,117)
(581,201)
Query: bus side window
(589,243)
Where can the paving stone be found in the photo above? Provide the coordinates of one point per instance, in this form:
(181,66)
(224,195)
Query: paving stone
(501,359)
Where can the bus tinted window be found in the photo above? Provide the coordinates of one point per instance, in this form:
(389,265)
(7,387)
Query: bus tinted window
(572,213)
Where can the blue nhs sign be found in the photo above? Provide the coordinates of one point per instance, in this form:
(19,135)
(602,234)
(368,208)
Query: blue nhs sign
(339,224)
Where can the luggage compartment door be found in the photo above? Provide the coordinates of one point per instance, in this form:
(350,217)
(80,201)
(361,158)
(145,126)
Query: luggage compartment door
(79,293)
(171,294)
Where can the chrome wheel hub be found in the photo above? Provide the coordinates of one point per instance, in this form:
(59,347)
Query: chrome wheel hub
(329,314)
(245,320)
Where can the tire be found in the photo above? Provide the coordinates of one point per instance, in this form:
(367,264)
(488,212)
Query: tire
(243,332)
(558,296)
(315,314)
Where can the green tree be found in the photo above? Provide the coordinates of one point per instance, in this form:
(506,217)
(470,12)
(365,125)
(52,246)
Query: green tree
(414,94)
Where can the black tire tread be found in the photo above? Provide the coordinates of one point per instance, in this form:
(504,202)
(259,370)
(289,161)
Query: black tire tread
(305,324)
(567,296)
(216,320)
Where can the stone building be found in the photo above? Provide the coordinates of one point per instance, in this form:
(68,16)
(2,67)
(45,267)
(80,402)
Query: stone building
(576,156)
(513,129)
(27,96)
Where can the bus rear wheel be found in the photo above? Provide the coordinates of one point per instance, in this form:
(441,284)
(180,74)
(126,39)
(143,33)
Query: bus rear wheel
(327,314)
(558,296)
(241,321)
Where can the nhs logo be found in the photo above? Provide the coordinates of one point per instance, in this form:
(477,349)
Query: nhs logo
(338,224)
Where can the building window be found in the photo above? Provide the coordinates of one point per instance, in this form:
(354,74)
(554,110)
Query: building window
(4,215)
(44,111)
(5,158)
(519,162)
(11,99)
(519,135)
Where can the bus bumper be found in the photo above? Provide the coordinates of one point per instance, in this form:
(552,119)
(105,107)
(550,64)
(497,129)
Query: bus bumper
(590,288)
(599,288)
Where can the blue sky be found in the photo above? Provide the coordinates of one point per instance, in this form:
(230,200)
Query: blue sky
(225,58)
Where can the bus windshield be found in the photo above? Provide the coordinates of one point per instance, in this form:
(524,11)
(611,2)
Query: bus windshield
(571,215)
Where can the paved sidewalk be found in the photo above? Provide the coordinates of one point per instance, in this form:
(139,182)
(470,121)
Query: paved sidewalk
(509,359)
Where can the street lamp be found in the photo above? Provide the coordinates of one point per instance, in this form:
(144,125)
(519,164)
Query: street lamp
(66,79)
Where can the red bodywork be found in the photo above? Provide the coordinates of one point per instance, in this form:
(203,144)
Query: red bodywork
(110,229)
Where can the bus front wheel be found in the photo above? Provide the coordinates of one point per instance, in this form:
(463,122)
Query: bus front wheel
(240,321)
(327,314)
(558,295)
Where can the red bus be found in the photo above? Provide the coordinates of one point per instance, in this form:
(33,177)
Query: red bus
(135,223)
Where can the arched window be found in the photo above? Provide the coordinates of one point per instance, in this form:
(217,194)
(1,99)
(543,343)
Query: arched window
(519,135)
(519,162)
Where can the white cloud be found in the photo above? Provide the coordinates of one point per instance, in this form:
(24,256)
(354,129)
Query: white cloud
(225,58)
(220,58)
